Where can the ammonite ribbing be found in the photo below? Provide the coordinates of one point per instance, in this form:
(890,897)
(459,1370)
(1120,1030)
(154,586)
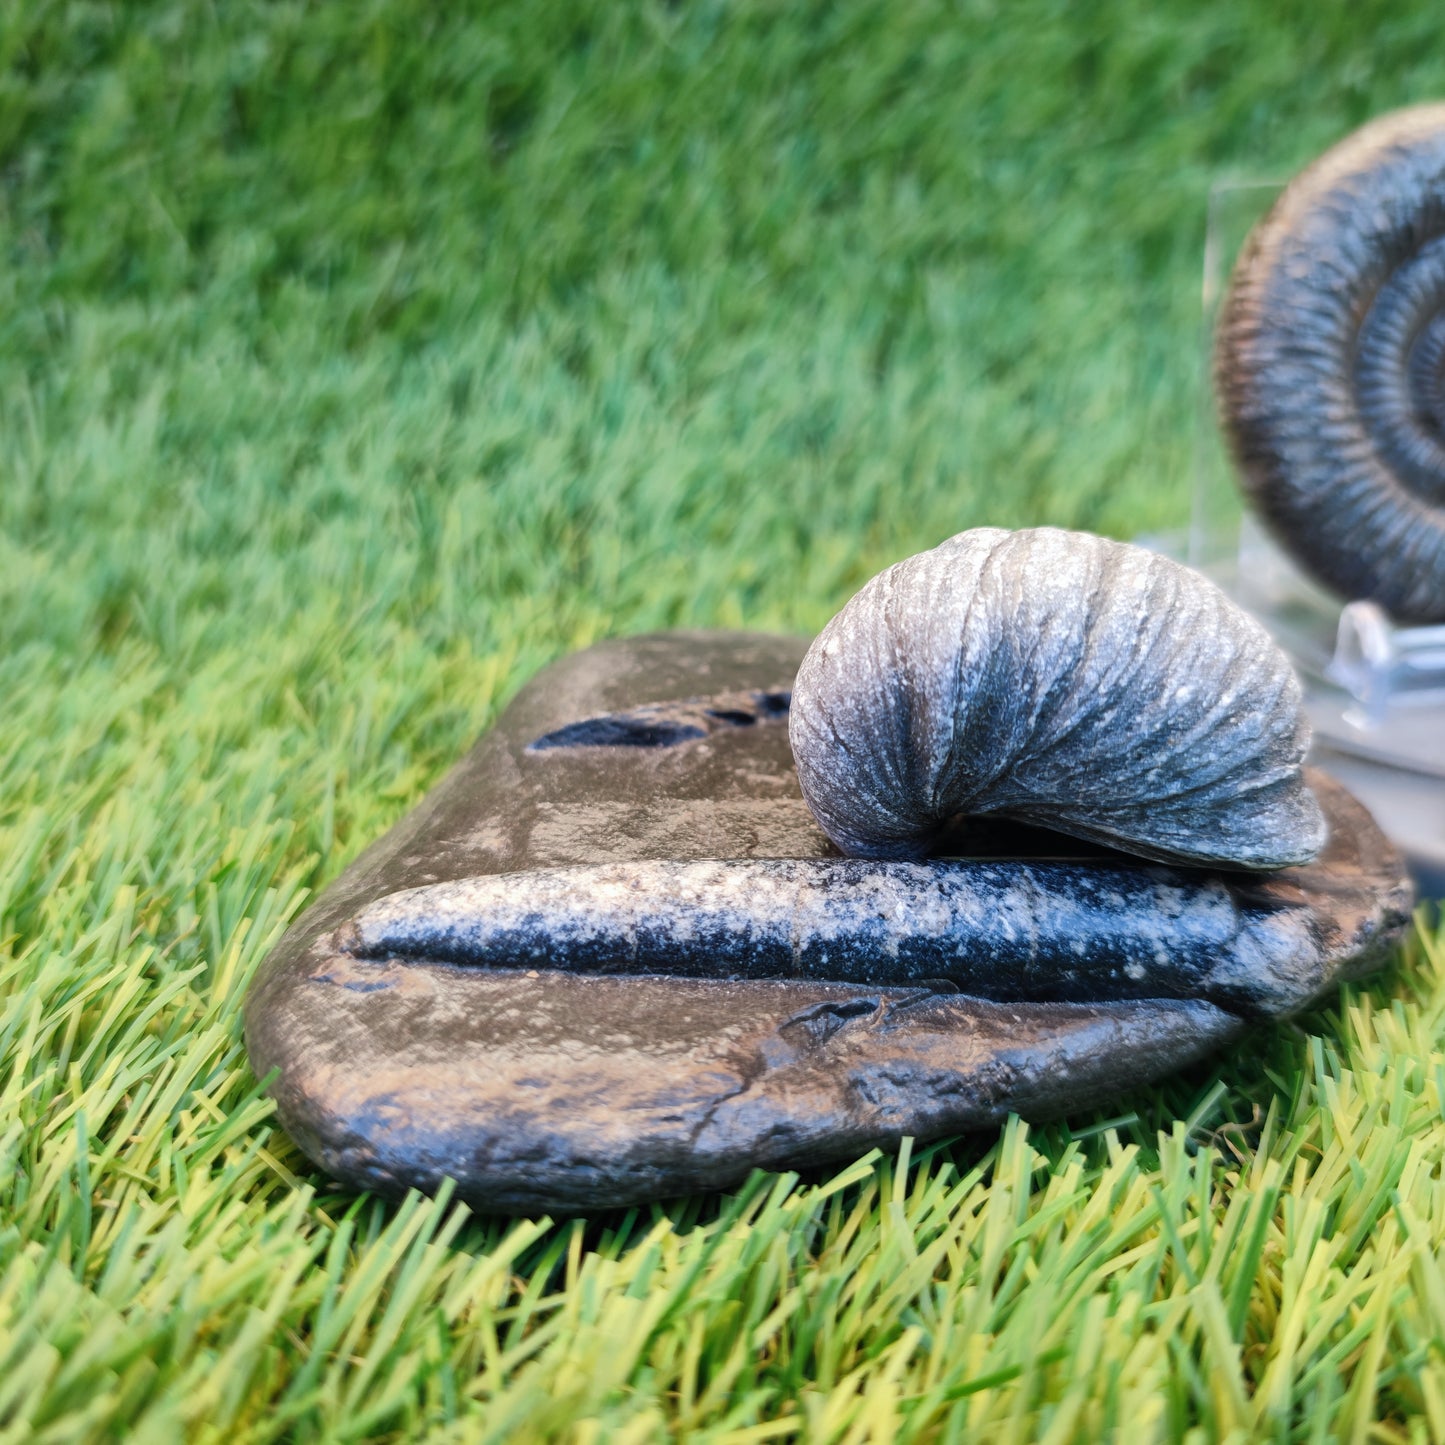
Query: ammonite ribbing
(1330,365)
(1062,679)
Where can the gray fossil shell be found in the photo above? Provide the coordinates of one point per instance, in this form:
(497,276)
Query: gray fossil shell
(1061,679)
(1330,365)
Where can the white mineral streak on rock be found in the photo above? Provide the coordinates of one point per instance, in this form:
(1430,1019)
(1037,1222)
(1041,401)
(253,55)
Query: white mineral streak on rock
(847,919)
(1062,679)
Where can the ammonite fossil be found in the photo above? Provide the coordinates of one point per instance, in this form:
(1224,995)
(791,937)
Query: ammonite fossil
(1330,365)
(613,957)
(1062,679)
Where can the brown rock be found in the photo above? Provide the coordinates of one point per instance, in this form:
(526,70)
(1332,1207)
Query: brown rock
(540,1088)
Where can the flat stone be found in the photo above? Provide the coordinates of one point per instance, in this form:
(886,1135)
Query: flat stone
(612,958)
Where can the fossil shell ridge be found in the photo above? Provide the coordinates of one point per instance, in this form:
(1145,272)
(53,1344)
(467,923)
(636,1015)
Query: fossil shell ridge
(1330,365)
(1059,678)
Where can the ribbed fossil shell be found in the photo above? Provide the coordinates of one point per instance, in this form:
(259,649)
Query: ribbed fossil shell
(1330,365)
(1059,678)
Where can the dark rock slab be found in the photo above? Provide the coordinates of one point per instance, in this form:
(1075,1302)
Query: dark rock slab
(416,1037)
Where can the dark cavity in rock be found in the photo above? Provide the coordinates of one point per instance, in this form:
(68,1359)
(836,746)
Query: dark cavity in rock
(666,724)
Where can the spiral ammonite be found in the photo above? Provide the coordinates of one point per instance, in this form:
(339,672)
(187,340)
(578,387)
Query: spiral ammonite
(1330,365)
(1064,680)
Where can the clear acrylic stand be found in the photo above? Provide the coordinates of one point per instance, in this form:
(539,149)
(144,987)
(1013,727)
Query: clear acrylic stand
(1374,691)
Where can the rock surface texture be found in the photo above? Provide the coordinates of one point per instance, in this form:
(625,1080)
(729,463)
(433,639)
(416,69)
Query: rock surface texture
(1330,365)
(430,1017)
(1062,679)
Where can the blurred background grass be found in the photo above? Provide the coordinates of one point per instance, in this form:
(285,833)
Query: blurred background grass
(355,360)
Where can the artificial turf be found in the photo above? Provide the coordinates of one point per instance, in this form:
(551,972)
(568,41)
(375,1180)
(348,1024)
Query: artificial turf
(356,360)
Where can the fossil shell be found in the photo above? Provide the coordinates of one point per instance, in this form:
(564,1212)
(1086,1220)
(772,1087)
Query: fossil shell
(1062,679)
(1330,365)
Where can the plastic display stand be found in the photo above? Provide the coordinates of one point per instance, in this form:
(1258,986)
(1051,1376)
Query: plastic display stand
(1374,691)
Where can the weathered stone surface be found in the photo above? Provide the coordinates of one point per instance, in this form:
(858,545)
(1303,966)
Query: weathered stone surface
(1063,679)
(542,1088)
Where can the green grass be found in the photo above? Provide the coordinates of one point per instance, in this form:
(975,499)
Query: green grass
(356,360)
